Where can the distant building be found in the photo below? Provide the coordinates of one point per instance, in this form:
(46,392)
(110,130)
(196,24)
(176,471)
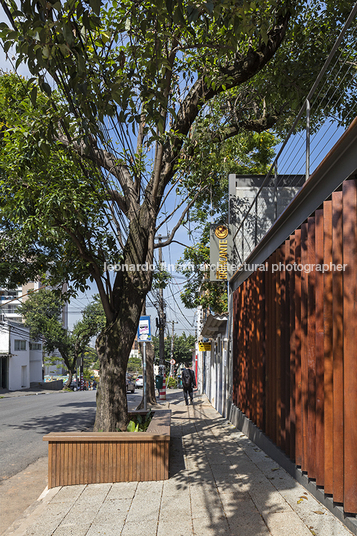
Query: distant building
(20,358)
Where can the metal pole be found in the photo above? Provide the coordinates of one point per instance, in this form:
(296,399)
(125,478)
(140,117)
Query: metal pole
(276,192)
(161,320)
(144,376)
(256,222)
(307,139)
(172,347)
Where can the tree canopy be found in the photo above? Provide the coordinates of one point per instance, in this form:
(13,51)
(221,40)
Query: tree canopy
(43,314)
(125,96)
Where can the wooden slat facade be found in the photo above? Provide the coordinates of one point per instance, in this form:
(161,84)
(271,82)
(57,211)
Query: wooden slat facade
(98,457)
(295,338)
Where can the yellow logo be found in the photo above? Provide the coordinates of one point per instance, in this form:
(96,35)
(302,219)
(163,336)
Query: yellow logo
(221,231)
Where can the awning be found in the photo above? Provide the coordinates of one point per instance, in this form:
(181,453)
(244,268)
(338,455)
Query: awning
(215,325)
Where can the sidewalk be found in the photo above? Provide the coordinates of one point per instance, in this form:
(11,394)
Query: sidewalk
(220,484)
(5,393)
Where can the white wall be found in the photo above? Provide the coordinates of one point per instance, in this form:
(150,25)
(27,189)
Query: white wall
(4,339)
(19,364)
(35,366)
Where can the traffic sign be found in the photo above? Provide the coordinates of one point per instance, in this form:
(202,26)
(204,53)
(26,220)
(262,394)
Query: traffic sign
(172,361)
(144,329)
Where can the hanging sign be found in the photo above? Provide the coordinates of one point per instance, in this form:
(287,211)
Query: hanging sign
(221,262)
(204,346)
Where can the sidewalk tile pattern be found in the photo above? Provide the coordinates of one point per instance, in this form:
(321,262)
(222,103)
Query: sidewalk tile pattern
(221,484)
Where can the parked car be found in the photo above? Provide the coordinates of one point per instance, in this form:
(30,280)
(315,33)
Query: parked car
(130,385)
(139,381)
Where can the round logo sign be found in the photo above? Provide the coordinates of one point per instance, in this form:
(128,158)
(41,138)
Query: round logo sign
(221,231)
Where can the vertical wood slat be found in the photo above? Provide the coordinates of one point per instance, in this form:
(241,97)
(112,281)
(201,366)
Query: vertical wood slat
(304,348)
(292,420)
(328,352)
(277,354)
(286,346)
(350,343)
(298,346)
(282,356)
(144,461)
(317,318)
(319,347)
(260,350)
(338,462)
(266,429)
(311,353)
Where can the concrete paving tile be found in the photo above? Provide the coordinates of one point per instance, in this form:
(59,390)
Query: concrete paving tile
(183,528)
(122,490)
(68,493)
(229,494)
(114,507)
(183,501)
(267,499)
(72,530)
(207,508)
(148,488)
(249,527)
(146,528)
(105,530)
(206,526)
(144,510)
(94,490)
(286,523)
(51,519)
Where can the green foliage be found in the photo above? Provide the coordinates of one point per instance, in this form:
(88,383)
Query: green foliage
(172,383)
(42,312)
(76,188)
(246,153)
(135,365)
(140,423)
(48,196)
(183,346)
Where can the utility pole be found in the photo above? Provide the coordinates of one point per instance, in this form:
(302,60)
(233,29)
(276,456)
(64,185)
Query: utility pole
(162,316)
(172,348)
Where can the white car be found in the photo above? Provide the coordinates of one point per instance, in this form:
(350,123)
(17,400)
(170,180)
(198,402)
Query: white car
(139,381)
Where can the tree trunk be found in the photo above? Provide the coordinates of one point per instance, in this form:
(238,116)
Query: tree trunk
(150,379)
(113,346)
(69,381)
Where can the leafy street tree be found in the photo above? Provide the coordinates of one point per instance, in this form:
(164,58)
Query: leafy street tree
(183,346)
(88,169)
(43,311)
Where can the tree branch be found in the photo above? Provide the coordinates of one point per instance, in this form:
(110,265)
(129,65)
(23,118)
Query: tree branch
(231,76)
(252,125)
(169,240)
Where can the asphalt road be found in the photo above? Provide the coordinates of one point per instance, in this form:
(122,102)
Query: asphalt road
(24,420)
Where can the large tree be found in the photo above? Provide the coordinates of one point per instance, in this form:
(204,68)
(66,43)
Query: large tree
(133,81)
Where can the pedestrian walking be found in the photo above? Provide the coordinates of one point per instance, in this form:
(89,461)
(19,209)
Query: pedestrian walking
(188,383)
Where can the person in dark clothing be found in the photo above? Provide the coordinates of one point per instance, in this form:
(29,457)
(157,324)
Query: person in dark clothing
(188,383)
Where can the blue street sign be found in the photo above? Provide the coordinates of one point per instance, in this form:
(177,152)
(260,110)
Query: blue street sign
(144,329)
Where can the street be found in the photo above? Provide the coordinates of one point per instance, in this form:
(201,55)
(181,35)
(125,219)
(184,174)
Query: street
(24,420)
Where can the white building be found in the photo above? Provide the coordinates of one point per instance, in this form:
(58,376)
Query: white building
(20,358)
(27,367)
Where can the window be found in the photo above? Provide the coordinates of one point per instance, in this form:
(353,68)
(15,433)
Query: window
(20,345)
(35,346)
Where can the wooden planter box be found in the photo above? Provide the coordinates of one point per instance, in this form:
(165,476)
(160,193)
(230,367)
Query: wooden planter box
(97,457)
